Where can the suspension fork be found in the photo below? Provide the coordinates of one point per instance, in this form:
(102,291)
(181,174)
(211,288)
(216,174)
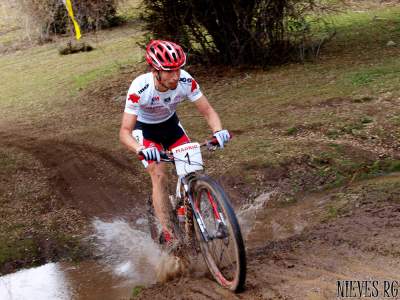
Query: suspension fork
(187,183)
(217,214)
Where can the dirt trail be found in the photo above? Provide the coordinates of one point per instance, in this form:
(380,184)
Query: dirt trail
(98,183)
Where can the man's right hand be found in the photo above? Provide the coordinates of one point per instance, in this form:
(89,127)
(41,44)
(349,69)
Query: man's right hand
(150,153)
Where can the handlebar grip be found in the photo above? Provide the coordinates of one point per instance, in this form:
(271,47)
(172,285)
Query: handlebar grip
(163,155)
(213,141)
(141,156)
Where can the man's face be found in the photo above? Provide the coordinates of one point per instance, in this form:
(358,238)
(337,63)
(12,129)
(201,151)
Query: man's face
(170,79)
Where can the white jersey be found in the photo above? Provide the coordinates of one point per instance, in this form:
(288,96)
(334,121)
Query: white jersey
(152,106)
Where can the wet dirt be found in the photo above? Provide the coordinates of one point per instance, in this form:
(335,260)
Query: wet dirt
(294,251)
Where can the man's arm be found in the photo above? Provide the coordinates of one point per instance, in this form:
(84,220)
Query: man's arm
(209,113)
(125,132)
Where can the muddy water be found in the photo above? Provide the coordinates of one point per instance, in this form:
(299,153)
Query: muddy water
(130,259)
(64,282)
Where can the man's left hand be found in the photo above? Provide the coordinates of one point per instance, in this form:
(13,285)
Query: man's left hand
(223,136)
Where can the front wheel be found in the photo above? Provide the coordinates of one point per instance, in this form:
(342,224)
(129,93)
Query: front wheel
(224,250)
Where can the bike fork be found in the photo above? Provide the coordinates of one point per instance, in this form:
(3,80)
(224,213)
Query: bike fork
(199,220)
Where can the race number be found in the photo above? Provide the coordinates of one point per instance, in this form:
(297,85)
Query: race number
(187,158)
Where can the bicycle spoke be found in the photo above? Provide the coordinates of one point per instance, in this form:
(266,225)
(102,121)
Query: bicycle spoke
(222,253)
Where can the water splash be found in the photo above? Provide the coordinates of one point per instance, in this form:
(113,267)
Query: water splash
(131,253)
(247,214)
(128,251)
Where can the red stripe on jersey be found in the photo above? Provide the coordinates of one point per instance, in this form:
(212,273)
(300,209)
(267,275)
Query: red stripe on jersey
(134,98)
(194,85)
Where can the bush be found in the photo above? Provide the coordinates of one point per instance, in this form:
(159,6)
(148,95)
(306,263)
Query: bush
(255,32)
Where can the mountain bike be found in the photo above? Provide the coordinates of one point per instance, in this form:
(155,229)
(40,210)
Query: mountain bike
(203,216)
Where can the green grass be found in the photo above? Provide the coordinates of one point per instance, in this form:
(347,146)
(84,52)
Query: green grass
(384,75)
(17,250)
(136,291)
(38,79)
(82,80)
(369,26)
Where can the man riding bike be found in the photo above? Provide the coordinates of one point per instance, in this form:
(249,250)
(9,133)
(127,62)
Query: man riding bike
(150,123)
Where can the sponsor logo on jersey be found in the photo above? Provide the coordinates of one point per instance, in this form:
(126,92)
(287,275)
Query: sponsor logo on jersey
(167,100)
(143,89)
(194,85)
(154,100)
(134,98)
(188,80)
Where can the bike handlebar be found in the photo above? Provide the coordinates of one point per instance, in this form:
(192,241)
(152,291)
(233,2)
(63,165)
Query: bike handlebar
(166,156)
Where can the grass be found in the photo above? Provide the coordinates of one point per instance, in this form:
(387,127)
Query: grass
(382,75)
(38,78)
(49,81)
(371,191)
(18,250)
(136,291)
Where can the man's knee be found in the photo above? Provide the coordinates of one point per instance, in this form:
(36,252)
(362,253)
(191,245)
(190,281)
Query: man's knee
(157,173)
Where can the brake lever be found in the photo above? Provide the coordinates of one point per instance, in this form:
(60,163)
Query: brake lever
(211,146)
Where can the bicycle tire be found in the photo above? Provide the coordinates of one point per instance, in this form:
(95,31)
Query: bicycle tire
(235,282)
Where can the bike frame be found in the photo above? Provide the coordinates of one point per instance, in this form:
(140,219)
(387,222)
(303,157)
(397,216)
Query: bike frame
(187,182)
(194,190)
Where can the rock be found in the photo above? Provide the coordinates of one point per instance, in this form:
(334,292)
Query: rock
(71,48)
(391,44)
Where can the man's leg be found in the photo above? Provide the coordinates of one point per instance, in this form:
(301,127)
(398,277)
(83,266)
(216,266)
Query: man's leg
(161,203)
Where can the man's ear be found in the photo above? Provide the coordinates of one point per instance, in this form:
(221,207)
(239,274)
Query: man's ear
(157,74)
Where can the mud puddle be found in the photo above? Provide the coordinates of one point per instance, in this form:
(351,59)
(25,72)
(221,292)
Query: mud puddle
(63,281)
(129,258)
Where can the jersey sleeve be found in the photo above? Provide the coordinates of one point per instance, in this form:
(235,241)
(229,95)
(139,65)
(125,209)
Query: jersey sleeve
(191,86)
(132,104)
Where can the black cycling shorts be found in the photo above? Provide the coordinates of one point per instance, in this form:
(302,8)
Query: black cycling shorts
(164,136)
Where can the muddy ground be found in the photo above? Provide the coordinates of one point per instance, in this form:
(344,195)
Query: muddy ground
(361,244)
(300,245)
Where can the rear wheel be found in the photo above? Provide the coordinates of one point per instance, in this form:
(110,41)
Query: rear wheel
(224,252)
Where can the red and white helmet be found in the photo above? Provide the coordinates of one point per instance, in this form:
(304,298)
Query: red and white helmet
(165,55)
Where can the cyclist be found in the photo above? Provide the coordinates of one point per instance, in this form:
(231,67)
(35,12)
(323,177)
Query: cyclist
(150,123)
